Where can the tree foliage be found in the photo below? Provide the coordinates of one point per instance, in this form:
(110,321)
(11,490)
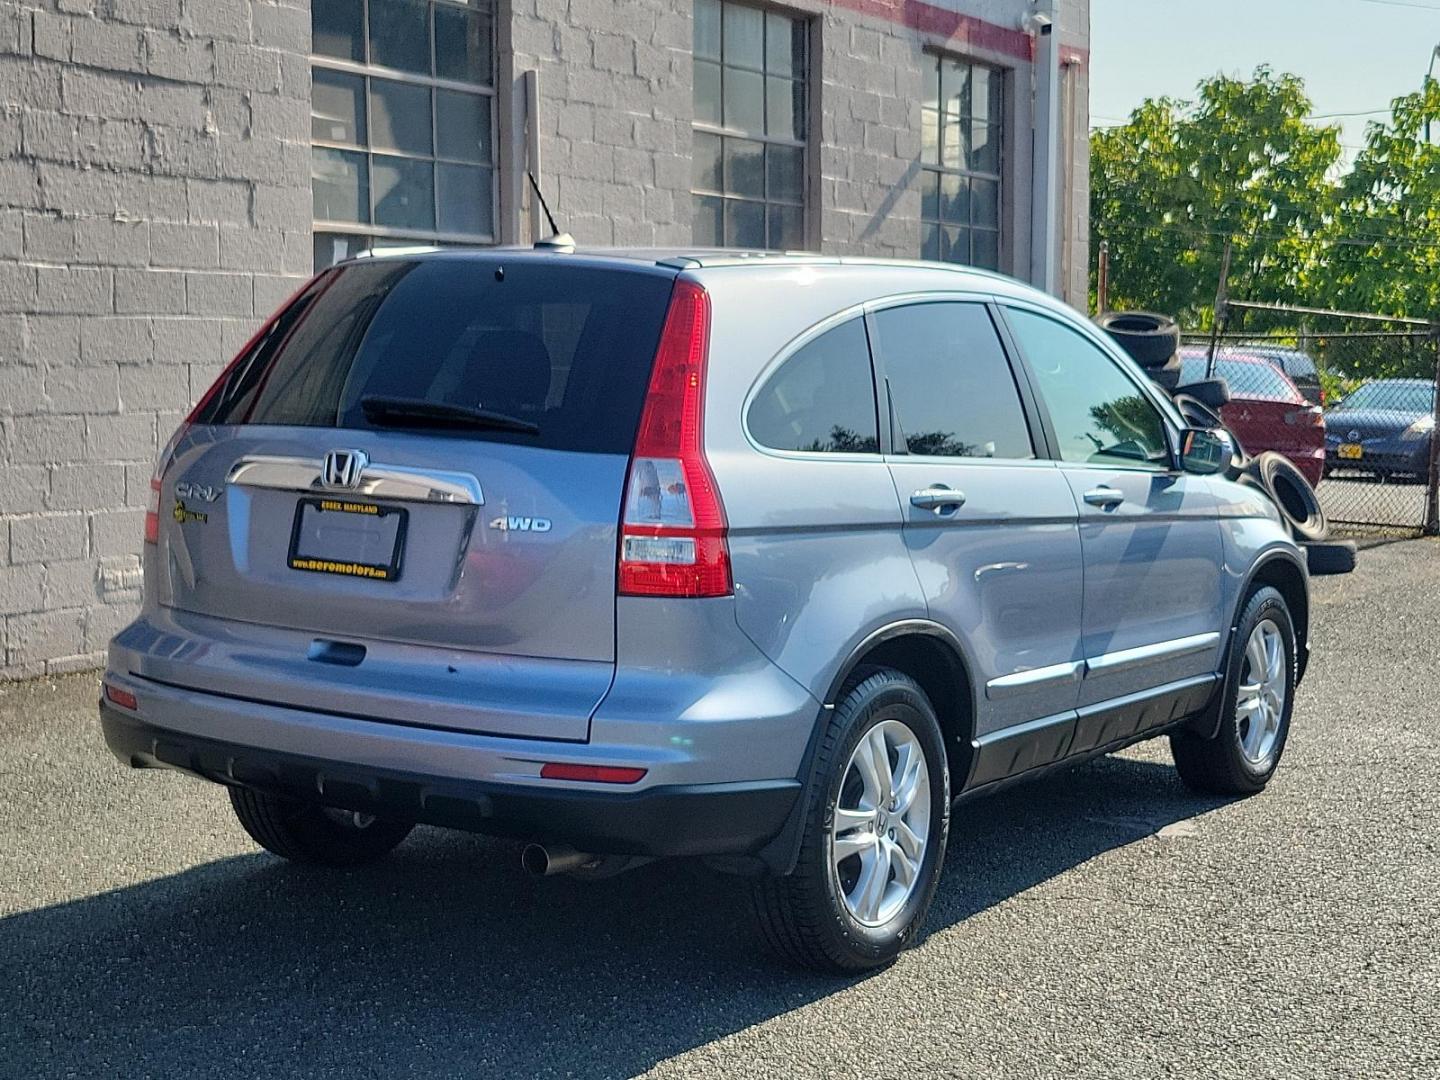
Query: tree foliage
(1242,161)
(1169,186)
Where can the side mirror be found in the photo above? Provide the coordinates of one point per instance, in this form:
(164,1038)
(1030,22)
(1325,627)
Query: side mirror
(1206,451)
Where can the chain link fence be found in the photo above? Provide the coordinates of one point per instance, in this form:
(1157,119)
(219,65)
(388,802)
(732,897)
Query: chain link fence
(1349,399)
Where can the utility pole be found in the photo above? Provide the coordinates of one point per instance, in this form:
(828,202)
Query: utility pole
(1430,74)
(1222,303)
(1102,280)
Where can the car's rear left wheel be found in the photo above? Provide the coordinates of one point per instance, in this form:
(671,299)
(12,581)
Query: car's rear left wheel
(310,833)
(874,833)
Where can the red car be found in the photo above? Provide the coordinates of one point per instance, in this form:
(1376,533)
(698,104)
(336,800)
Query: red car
(1266,411)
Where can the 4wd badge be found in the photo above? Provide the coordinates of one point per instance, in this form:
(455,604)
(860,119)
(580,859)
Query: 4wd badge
(521,524)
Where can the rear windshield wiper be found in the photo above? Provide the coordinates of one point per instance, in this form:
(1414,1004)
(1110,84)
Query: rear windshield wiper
(399,411)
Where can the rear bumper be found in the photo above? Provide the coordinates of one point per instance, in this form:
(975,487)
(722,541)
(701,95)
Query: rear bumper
(663,820)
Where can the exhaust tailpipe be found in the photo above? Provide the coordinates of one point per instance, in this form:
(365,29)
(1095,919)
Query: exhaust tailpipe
(541,861)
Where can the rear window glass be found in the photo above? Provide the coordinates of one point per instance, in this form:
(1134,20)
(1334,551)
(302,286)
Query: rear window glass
(565,348)
(1259,380)
(1392,395)
(822,399)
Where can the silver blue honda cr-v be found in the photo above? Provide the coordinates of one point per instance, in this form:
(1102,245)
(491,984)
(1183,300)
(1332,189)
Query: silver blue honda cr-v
(767,559)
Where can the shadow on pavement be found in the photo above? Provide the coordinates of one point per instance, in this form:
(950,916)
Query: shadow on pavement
(448,959)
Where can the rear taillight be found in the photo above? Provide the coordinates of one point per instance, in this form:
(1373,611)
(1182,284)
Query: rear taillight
(1310,416)
(672,531)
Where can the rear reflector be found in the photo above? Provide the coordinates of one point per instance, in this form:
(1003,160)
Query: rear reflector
(598,774)
(672,533)
(152,512)
(123,698)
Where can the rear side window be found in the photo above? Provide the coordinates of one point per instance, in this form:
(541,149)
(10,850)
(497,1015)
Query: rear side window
(822,399)
(951,386)
(565,348)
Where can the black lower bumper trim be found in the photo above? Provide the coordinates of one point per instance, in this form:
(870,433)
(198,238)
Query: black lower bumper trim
(701,819)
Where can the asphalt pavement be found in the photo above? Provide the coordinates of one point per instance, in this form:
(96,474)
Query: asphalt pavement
(1103,923)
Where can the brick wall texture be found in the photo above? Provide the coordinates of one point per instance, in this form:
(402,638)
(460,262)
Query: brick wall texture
(155,205)
(154,200)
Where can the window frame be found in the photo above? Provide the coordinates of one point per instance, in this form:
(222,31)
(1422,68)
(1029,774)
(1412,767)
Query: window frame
(785,354)
(367,70)
(935,58)
(1040,438)
(1170,420)
(807,83)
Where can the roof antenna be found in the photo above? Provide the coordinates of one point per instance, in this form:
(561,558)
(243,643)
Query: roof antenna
(556,241)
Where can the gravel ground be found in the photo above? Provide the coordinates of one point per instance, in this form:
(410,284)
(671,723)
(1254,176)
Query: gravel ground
(1102,924)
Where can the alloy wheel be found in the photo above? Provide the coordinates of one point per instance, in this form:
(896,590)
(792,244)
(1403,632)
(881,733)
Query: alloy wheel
(882,823)
(1260,702)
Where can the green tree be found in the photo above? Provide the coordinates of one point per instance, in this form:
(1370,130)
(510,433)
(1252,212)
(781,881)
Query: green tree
(1170,185)
(1384,238)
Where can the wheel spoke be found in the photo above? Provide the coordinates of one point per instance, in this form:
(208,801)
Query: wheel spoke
(864,762)
(846,819)
(853,843)
(1255,653)
(880,756)
(907,783)
(1273,657)
(905,869)
(909,843)
(870,889)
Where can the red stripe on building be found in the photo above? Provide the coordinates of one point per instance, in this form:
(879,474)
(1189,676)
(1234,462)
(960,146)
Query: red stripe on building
(950,25)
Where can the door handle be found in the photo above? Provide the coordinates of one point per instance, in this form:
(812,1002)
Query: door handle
(1107,498)
(937,498)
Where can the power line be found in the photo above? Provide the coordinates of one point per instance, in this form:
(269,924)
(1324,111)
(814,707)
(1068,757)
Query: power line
(1403,4)
(1338,241)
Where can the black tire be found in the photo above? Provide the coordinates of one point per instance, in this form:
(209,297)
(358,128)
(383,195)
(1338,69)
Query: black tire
(1197,413)
(1208,391)
(1167,375)
(1217,765)
(1330,557)
(1288,489)
(803,915)
(310,833)
(1150,339)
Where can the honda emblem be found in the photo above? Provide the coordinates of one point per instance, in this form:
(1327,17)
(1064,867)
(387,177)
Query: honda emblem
(344,468)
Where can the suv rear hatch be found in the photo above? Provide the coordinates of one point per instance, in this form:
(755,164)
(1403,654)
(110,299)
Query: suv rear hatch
(423,452)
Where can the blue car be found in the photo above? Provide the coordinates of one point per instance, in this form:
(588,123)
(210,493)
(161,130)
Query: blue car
(1383,428)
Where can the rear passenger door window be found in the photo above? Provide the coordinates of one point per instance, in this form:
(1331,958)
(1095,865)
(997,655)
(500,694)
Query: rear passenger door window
(952,391)
(822,399)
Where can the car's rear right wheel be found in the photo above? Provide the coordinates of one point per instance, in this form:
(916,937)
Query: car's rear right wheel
(309,833)
(873,837)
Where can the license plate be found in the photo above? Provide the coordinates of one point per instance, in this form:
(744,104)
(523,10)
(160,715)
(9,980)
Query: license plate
(348,538)
(1351,450)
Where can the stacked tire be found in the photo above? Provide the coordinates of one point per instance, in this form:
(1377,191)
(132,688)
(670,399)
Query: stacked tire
(1152,340)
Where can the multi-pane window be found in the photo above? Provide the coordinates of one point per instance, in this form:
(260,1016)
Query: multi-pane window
(960,158)
(749,142)
(401,121)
